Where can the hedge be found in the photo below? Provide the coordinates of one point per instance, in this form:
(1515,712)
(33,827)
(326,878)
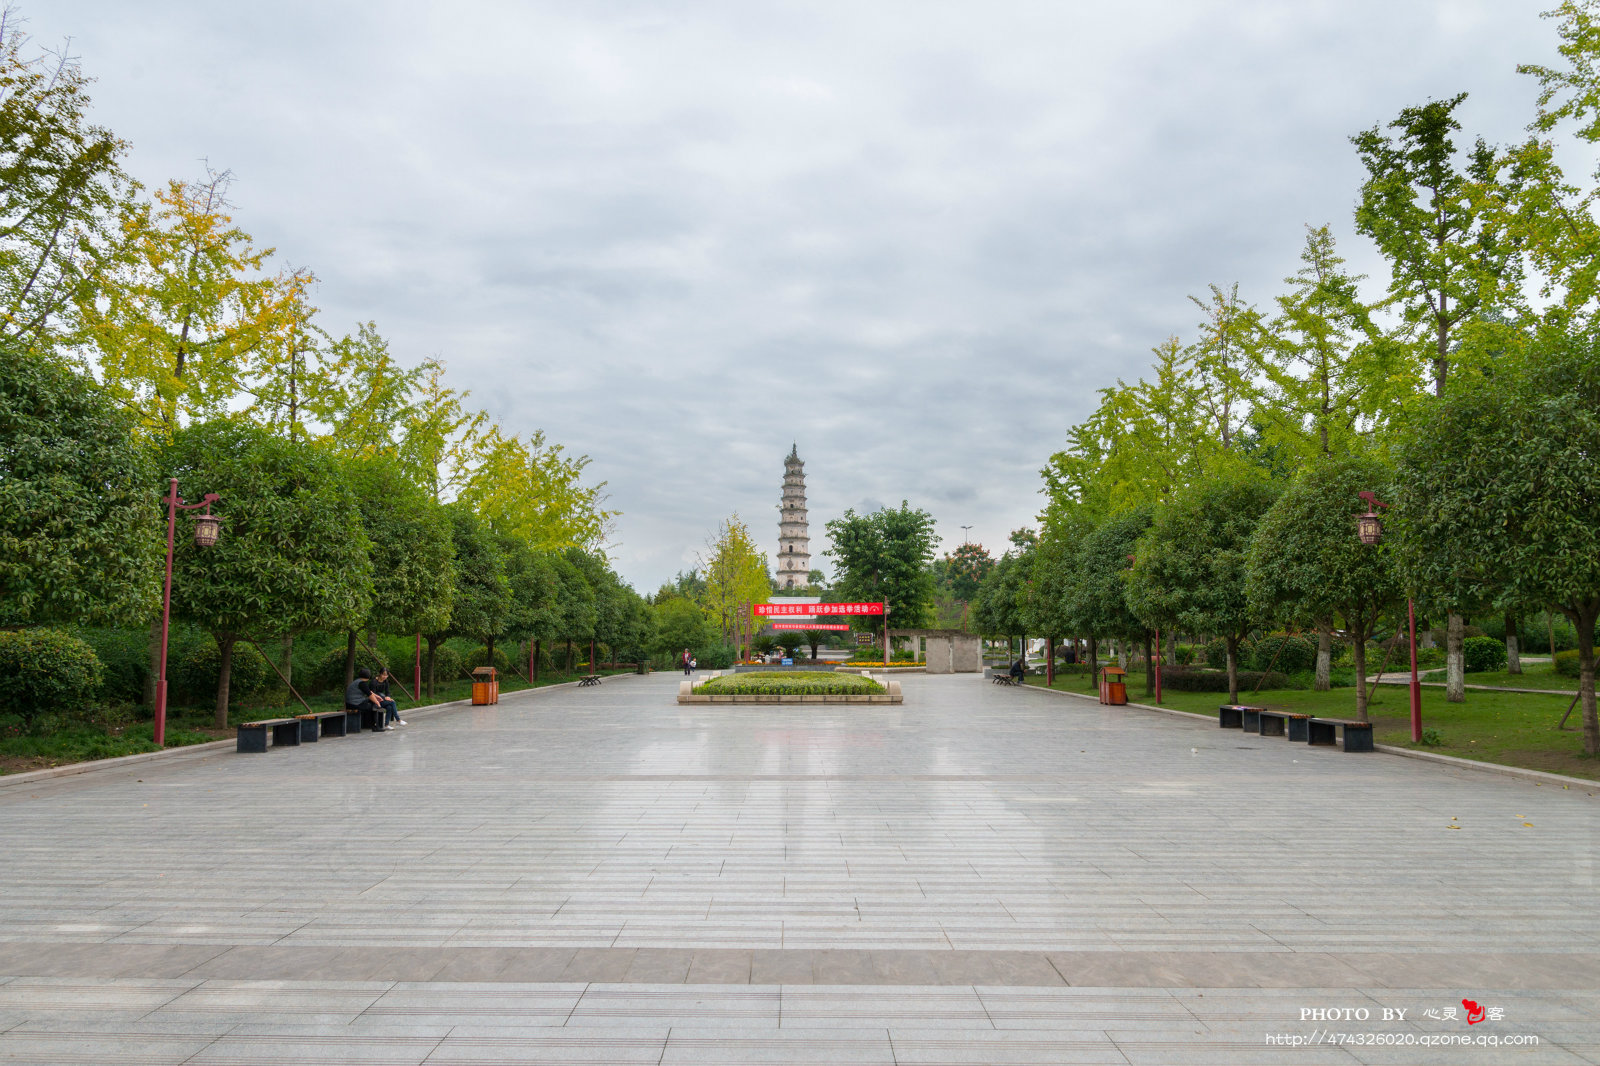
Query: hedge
(786,684)
(1483,654)
(1181,680)
(1567,664)
(46,671)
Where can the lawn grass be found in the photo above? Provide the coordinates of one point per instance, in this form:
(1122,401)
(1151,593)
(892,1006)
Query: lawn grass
(1534,675)
(83,741)
(790,684)
(1510,728)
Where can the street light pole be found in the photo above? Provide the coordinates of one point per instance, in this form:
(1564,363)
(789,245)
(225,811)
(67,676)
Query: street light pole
(1369,528)
(205,535)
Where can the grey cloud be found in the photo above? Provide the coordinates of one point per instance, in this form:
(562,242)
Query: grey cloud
(912,237)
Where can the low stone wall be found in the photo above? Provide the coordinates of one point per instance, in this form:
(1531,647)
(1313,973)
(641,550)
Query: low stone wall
(686,694)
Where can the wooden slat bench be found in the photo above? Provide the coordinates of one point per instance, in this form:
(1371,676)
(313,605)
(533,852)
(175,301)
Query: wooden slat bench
(588,679)
(1004,679)
(253,735)
(1283,724)
(1357,736)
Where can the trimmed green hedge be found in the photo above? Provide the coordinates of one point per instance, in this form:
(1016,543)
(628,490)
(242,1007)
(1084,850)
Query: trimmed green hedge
(790,684)
(1181,680)
(46,671)
(1566,663)
(1483,654)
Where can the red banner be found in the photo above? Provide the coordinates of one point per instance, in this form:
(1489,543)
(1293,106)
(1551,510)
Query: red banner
(808,625)
(775,609)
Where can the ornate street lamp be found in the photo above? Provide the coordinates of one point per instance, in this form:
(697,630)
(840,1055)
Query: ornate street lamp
(1369,528)
(206,528)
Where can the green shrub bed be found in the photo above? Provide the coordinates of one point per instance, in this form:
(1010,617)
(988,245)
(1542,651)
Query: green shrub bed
(795,684)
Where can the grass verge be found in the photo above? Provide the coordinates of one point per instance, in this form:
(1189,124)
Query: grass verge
(112,733)
(1509,728)
(795,684)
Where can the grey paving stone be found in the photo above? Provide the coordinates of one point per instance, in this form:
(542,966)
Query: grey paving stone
(571,877)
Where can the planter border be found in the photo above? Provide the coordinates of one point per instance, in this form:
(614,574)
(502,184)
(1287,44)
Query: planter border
(686,694)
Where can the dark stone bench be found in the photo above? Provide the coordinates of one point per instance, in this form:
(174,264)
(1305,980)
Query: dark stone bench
(331,723)
(253,735)
(588,679)
(367,718)
(310,728)
(1357,735)
(1283,724)
(1232,716)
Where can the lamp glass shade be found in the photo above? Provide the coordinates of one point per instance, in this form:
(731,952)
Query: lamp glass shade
(1369,528)
(206,528)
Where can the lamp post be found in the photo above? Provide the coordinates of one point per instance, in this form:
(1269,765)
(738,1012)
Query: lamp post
(206,528)
(1369,528)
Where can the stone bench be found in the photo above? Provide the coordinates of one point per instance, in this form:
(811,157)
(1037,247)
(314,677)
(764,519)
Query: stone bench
(1283,724)
(1357,736)
(323,724)
(284,732)
(1233,716)
(588,679)
(1005,679)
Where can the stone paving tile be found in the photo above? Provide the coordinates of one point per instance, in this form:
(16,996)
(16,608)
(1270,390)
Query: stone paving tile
(917,1047)
(21,1045)
(690,871)
(688,1046)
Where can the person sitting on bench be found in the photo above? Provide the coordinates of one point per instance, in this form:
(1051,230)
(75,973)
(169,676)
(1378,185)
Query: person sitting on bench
(358,695)
(1018,670)
(379,690)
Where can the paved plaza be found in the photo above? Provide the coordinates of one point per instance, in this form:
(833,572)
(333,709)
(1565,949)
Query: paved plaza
(980,875)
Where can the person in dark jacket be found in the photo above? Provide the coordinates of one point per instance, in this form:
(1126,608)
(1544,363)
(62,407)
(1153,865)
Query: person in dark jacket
(379,690)
(1018,670)
(358,694)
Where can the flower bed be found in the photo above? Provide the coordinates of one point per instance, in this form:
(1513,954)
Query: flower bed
(790,684)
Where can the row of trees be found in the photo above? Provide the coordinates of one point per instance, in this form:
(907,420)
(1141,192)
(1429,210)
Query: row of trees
(145,335)
(1218,494)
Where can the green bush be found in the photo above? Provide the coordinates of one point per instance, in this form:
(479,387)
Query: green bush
(1291,653)
(1215,653)
(1483,654)
(195,672)
(46,671)
(714,657)
(1180,679)
(125,656)
(476,659)
(790,684)
(446,665)
(904,655)
(1185,654)
(1566,662)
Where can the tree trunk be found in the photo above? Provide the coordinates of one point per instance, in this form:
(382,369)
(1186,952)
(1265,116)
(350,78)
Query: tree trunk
(1550,632)
(224,675)
(488,653)
(538,653)
(1455,661)
(288,661)
(569,655)
(350,659)
(433,646)
(155,664)
(1324,680)
(1092,647)
(1233,668)
(1122,652)
(1584,622)
(1358,651)
(1513,650)
(1149,666)
(1172,648)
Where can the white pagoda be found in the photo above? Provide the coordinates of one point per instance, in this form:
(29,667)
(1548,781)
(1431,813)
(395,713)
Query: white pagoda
(794,545)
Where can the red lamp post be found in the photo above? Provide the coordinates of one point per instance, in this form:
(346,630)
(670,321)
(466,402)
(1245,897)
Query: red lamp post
(206,528)
(1369,527)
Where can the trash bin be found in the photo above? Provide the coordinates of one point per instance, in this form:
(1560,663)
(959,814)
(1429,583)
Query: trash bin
(1113,686)
(640,668)
(485,686)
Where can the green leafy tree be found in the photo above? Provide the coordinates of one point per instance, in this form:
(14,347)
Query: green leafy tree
(1306,566)
(1496,492)
(884,556)
(412,548)
(481,597)
(292,554)
(1100,601)
(680,624)
(79,537)
(1190,566)
(1001,607)
(579,609)
(61,186)
(961,572)
(736,578)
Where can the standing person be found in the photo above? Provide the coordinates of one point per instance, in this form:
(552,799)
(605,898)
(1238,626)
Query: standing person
(686,659)
(379,690)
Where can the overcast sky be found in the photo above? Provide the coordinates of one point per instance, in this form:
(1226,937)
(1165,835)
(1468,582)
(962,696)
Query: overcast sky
(912,236)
